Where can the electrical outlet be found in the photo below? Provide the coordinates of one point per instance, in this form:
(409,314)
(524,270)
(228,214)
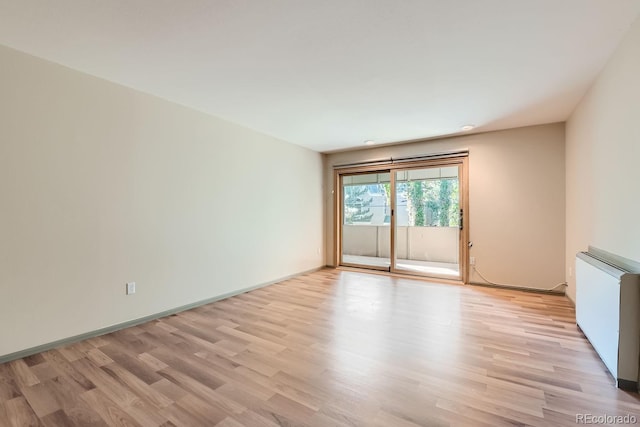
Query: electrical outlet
(131,288)
(472,260)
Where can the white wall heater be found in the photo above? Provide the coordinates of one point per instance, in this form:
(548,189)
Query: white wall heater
(608,312)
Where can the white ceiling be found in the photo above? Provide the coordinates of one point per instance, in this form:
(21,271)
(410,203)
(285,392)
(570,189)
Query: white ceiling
(329,74)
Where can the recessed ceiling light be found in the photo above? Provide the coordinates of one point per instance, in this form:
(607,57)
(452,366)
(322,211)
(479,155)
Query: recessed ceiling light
(467,128)
(369,142)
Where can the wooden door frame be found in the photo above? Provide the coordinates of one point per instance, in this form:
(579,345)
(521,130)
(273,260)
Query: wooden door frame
(461,161)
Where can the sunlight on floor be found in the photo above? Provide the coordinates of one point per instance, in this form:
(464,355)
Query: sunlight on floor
(441,269)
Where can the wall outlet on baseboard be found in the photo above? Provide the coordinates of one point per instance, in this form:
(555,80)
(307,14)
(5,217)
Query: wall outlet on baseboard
(472,260)
(131,288)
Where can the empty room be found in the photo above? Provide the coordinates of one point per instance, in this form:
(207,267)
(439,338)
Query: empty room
(319,213)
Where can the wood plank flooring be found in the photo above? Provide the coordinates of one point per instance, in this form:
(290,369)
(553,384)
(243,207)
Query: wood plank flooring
(330,348)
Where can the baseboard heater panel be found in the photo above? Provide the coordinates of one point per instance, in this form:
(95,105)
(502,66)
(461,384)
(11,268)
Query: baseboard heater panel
(608,312)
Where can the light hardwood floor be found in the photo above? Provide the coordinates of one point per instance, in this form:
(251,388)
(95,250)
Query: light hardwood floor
(330,348)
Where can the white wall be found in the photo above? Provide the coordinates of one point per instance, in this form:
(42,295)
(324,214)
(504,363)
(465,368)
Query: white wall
(517,200)
(603,161)
(101,185)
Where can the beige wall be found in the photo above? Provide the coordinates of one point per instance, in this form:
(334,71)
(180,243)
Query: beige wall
(101,185)
(517,200)
(603,161)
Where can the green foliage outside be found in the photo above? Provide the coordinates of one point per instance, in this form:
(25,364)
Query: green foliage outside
(433,203)
(429,203)
(356,204)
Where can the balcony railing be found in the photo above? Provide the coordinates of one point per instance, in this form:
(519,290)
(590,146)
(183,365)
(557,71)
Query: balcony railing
(433,244)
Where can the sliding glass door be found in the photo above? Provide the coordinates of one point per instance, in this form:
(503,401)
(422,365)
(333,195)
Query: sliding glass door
(427,222)
(407,218)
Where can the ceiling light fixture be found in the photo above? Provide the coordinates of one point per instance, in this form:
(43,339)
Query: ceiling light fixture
(467,128)
(369,142)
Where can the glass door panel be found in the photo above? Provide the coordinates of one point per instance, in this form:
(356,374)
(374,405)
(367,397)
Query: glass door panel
(365,222)
(427,222)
